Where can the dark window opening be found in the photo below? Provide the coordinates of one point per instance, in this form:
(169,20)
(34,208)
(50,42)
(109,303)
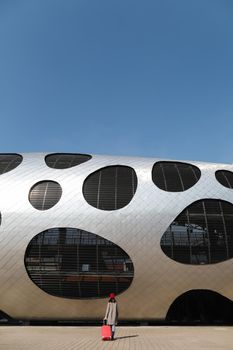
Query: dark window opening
(110,188)
(65,160)
(225,178)
(45,194)
(201,306)
(9,162)
(175,176)
(72,263)
(201,234)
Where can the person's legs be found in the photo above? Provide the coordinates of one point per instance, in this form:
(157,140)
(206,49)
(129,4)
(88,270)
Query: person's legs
(113,331)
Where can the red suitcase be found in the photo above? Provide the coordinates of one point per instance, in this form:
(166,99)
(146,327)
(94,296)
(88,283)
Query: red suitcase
(106,332)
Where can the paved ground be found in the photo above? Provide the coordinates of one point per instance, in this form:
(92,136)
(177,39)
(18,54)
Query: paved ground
(127,338)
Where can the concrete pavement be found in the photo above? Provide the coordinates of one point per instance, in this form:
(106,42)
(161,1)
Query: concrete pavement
(127,338)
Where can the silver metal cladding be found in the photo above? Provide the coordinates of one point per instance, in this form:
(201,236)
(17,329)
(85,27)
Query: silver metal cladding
(136,228)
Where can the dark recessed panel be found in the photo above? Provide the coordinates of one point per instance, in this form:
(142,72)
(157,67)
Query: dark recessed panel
(110,188)
(45,194)
(225,178)
(72,263)
(65,160)
(201,234)
(9,162)
(201,306)
(175,176)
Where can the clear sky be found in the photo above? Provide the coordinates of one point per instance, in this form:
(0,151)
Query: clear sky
(121,77)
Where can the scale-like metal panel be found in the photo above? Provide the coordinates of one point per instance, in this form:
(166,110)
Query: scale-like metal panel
(137,228)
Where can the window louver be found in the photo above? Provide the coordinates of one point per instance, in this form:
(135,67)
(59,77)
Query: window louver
(110,188)
(65,160)
(201,234)
(175,176)
(72,263)
(225,178)
(9,162)
(45,194)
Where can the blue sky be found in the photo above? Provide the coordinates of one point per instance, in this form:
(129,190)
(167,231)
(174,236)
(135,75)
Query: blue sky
(121,77)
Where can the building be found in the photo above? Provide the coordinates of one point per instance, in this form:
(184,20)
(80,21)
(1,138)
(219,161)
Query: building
(75,227)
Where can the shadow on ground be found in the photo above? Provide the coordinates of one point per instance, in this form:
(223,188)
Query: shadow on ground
(127,336)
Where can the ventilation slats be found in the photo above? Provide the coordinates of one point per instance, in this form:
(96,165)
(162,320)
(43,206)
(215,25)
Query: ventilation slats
(225,178)
(9,162)
(175,176)
(73,263)
(45,194)
(110,188)
(201,234)
(65,160)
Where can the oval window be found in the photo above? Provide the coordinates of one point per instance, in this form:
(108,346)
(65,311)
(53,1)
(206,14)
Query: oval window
(110,188)
(175,176)
(225,178)
(45,194)
(9,162)
(65,160)
(72,263)
(201,234)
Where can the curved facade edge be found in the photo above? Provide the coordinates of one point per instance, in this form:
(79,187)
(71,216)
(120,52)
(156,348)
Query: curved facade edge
(136,228)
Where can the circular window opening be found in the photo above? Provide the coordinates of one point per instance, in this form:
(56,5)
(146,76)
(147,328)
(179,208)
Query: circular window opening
(175,176)
(9,162)
(225,178)
(65,160)
(110,188)
(72,263)
(45,194)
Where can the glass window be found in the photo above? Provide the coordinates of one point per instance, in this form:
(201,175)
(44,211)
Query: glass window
(175,176)
(110,188)
(45,194)
(72,263)
(225,178)
(201,234)
(9,162)
(65,160)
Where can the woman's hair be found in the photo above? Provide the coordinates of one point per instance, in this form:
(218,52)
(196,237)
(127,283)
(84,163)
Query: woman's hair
(112,300)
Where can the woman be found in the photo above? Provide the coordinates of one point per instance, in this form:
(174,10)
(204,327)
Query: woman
(111,314)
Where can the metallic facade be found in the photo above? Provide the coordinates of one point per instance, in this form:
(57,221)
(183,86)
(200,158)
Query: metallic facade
(137,228)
